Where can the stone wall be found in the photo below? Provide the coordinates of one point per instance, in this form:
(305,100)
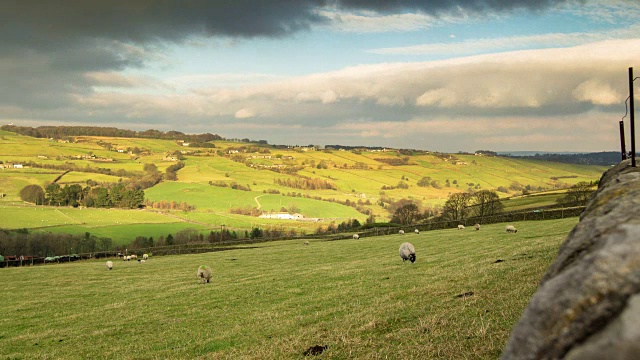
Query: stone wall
(588,303)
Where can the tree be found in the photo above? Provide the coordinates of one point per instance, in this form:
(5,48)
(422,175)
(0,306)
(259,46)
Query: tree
(487,203)
(33,194)
(424,182)
(577,195)
(456,207)
(132,199)
(406,214)
(53,194)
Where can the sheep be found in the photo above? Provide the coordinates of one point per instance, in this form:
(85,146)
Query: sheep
(133,257)
(109,265)
(145,256)
(408,252)
(511,229)
(416,231)
(204,274)
(460,227)
(356,236)
(401,232)
(477,226)
(306,243)
(142,261)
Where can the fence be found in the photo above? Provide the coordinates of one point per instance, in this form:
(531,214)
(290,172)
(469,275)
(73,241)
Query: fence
(535,215)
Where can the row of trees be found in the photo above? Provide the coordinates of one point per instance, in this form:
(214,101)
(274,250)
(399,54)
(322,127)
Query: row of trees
(462,205)
(75,195)
(305,183)
(59,132)
(457,207)
(22,242)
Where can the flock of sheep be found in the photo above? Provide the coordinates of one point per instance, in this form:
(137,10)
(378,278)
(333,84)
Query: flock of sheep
(144,259)
(407,252)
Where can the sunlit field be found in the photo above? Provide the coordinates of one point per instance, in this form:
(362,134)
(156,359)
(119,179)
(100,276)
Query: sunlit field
(275,300)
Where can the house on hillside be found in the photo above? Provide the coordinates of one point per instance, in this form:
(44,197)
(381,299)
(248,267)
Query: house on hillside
(281,216)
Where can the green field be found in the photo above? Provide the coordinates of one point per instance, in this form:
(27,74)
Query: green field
(358,177)
(275,300)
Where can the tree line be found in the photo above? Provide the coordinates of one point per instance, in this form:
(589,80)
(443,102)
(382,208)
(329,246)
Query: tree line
(75,195)
(305,183)
(59,132)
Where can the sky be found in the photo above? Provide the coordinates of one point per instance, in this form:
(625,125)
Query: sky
(442,75)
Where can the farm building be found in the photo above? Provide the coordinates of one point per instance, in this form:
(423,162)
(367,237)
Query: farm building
(282,216)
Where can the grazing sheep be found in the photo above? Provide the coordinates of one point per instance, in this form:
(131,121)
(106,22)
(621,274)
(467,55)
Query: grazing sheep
(401,232)
(511,229)
(142,261)
(204,274)
(408,252)
(416,231)
(109,265)
(460,227)
(477,226)
(356,236)
(306,243)
(133,257)
(145,256)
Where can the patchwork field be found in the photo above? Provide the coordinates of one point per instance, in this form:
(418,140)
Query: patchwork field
(275,300)
(366,180)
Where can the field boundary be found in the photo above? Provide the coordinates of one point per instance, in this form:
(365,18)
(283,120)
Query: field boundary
(535,215)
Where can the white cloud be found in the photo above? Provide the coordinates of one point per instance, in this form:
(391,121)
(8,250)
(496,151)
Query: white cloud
(597,93)
(371,22)
(471,101)
(474,46)
(244,114)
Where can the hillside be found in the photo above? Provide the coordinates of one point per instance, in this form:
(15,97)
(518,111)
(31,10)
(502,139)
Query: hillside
(225,180)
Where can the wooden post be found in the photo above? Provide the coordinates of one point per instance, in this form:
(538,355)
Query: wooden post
(623,148)
(632,116)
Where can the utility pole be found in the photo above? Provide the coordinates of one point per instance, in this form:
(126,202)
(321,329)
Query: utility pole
(633,125)
(623,148)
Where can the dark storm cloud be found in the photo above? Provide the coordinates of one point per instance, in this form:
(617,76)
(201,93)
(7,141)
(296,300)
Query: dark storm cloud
(49,24)
(47,47)
(447,6)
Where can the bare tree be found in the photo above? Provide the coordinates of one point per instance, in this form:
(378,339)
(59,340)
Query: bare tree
(457,206)
(487,203)
(578,194)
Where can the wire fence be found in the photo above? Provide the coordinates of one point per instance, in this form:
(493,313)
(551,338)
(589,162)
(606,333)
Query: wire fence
(233,244)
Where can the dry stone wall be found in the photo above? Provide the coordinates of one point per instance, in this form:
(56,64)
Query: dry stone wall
(588,303)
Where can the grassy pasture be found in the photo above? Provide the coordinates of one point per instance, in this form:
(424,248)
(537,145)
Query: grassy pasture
(213,204)
(274,300)
(219,199)
(125,234)
(12,181)
(15,217)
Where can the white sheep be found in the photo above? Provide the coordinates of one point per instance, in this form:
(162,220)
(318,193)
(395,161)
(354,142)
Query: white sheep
(204,274)
(145,256)
(109,265)
(356,236)
(461,227)
(511,229)
(477,226)
(416,231)
(401,232)
(133,257)
(306,243)
(408,252)
(142,261)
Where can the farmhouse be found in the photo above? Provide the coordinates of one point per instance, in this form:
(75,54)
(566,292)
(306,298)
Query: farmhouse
(282,216)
